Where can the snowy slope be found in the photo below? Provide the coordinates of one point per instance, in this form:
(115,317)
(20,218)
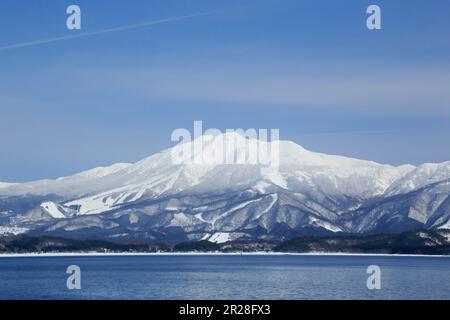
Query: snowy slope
(54,210)
(419,177)
(81,183)
(427,207)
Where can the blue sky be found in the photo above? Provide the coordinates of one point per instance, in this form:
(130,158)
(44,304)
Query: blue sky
(310,68)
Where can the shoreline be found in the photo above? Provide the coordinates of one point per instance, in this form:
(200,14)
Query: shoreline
(125,254)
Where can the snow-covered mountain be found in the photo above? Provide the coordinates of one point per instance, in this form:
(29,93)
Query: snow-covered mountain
(158,199)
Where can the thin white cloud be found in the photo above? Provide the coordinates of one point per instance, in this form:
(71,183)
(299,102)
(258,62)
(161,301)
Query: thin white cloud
(116,29)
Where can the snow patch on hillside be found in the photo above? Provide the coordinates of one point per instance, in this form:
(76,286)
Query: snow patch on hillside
(52,209)
(326,225)
(8,231)
(445,225)
(220,237)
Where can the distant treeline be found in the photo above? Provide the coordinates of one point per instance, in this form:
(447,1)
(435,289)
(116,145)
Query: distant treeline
(45,244)
(412,242)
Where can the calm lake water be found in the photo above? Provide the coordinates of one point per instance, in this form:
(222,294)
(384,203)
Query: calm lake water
(225,277)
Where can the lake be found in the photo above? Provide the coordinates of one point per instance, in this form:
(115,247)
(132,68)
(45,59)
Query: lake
(202,277)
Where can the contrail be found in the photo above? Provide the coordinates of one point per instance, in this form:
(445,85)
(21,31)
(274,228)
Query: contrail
(128,27)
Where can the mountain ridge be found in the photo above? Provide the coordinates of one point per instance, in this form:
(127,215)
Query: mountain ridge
(156,198)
